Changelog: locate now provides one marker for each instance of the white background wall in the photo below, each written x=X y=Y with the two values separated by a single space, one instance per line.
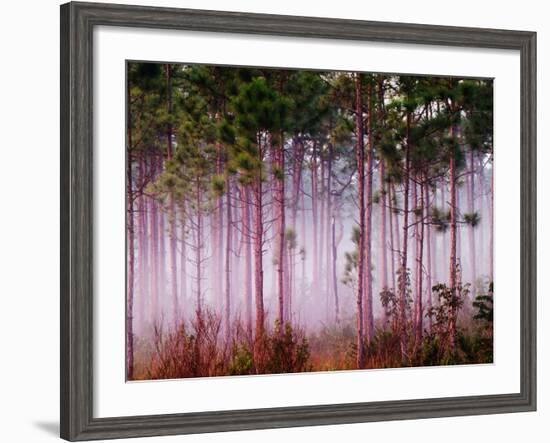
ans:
x=29 y=188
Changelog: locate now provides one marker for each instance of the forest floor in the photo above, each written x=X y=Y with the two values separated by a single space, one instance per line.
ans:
x=202 y=350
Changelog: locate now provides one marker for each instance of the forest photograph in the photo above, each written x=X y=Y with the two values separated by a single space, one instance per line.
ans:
x=285 y=221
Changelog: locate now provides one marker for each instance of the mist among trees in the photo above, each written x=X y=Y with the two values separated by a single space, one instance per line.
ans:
x=292 y=221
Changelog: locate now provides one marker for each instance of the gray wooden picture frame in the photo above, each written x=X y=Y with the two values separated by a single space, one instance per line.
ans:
x=77 y=23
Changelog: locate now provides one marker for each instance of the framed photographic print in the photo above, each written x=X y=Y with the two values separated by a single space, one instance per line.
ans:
x=273 y=221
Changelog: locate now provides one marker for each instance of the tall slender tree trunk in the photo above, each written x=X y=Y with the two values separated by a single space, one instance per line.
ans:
x=183 y=257
x=321 y=260
x=218 y=237
x=228 y=244
x=213 y=264
x=397 y=230
x=453 y=238
x=303 y=234
x=294 y=287
x=258 y=263
x=236 y=260
x=247 y=232
x=404 y=256
x=297 y=196
x=333 y=268
x=384 y=199
x=330 y=245
x=131 y=259
x=419 y=265
x=392 y=245
x=162 y=245
x=219 y=254
x=198 y=251
x=471 y=231
x=360 y=158
x=143 y=249
x=298 y=146
x=314 y=220
x=417 y=270
x=460 y=269
x=444 y=206
x=153 y=238
x=428 y=250
x=435 y=249
x=281 y=232
x=368 y=308
x=288 y=257
x=383 y=233
x=492 y=227
x=171 y=203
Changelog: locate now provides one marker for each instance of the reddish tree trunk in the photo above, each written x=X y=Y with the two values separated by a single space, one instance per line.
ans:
x=419 y=265
x=214 y=263
x=289 y=276
x=404 y=255
x=162 y=244
x=299 y=152
x=183 y=258
x=227 y=312
x=198 y=251
x=153 y=239
x=258 y=261
x=322 y=225
x=397 y=230
x=392 y=245
x=491 y=233
x=368 y=308
x=471 y=232
x=131 y=258
x=297 y=194
x=459 y=270
x=416 y=205
x=453 y=238
x=330 y=245
x=428 y=252
x=218 y=235
x=236 y=271
x=334 y=276
x=383 y=234
x=384 y=199
x=444 y=206
x=314 y=197
x=303 y=234
x=248 y=260
x=281 y=232
x=434 y=249
x=143 y=248
x=360 y=159
x=171 y=203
